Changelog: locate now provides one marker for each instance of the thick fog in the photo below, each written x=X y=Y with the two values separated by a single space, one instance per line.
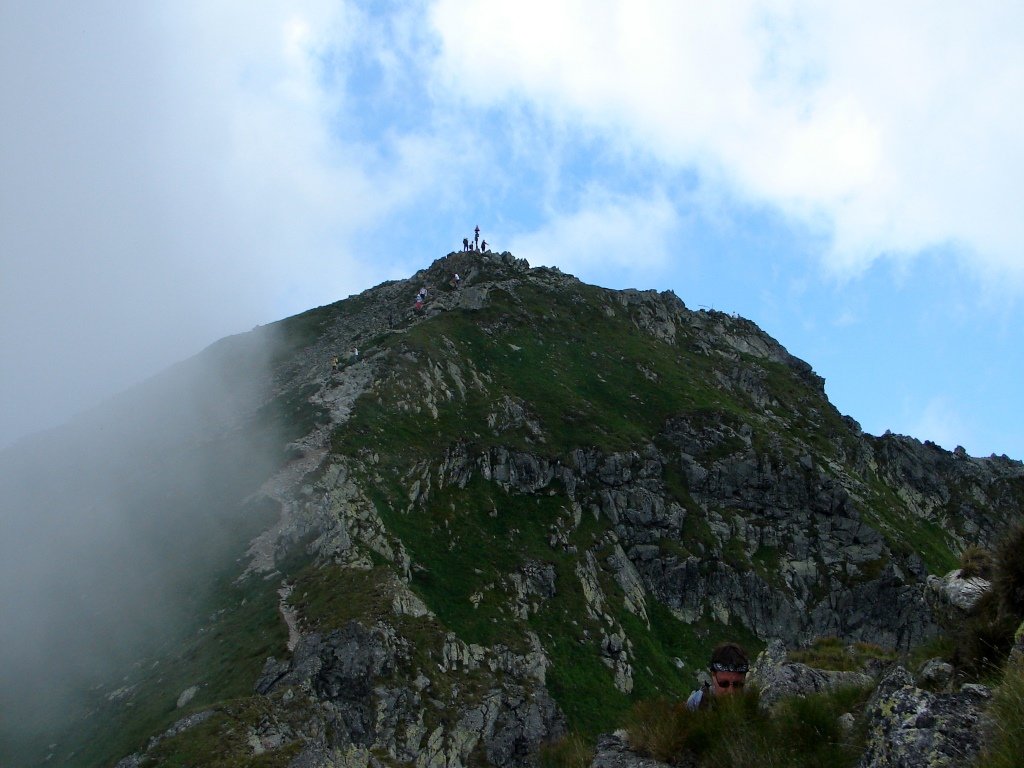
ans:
x=160 y=188
x=109 y=523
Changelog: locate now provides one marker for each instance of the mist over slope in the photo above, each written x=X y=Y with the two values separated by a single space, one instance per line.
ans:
x=110 y=522
x=509 y=515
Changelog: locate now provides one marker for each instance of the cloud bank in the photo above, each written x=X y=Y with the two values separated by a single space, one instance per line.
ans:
x=888 y=128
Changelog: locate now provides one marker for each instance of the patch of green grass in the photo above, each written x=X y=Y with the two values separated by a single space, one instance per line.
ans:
x=587 y=385
x=906 y=533
x=1006 y=745
x=328 y=596
x=571 y=751
x=836 y=654
x=222 y=741
x=766 y=561
x=448 y=539
x=583 y=686
x=976 y=561
x=654 y=670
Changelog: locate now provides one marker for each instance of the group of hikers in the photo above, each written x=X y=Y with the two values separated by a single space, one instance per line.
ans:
x=476 y=245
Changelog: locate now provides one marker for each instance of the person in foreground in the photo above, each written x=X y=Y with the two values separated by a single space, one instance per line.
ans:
x=728 y=670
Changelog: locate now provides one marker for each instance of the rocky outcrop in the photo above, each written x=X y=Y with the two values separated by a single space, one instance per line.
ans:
x=363 y=705
x=912 y=728
x=968 y=497
x=778 y=678
x=613 y=751
x=952 y=597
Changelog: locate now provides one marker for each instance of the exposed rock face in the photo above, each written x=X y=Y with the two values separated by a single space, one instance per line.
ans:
x=362 y=705
x=912 y=728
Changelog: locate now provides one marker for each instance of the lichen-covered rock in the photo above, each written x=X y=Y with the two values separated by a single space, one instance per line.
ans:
x=613 y=751
x=935 y=674
x=912 y=728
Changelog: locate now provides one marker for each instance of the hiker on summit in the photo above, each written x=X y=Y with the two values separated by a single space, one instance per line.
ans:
x=483 y=246
x=465 y=244
x=728 y=670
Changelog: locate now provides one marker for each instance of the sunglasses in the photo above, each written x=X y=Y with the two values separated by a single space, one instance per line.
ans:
x=726 y=684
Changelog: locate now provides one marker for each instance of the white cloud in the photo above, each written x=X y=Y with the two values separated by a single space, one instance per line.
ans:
x=169 y=176
x=940 y=421
x=629 y=234
x=895 y=127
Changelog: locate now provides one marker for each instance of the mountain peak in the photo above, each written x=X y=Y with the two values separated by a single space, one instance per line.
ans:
x=474 y=521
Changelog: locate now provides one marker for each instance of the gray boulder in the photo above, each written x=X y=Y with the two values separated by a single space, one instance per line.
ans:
x=614 y=751
x=912 y=728
x=953 y=597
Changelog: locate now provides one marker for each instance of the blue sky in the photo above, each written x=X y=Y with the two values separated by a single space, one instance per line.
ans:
x=847 y=175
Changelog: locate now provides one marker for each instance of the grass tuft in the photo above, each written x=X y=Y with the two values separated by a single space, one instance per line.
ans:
x=1006 y=744
x=976 y=561
x=572 y=751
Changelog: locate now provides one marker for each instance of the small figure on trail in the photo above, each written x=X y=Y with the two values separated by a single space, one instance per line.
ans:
x=456 y=281
x=476 y=239
x=465 y=244
x=728 y=670
x=334 y=363
x=354 y=357
x=483 y=246
x=421 y=297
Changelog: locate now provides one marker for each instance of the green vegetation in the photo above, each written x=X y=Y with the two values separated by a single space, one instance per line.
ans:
x=834 y=653
x=798 y=733
x=976 y=561
x=578 y=395
x=985 y=638
x=572 y=751
x=908 y=534
x=223 y=741
x=1007 y=712
x=1008 y=574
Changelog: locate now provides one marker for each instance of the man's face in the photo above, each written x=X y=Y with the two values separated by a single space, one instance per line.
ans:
x=727 y=683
